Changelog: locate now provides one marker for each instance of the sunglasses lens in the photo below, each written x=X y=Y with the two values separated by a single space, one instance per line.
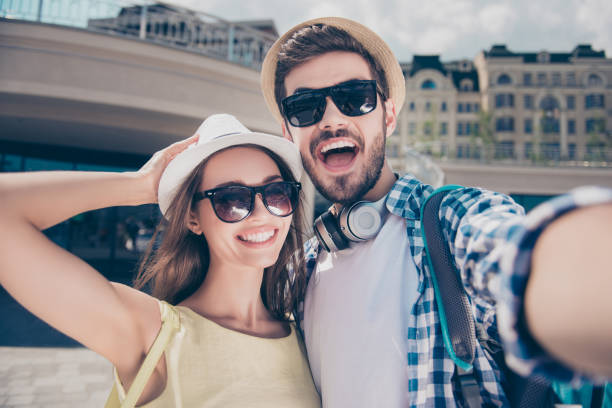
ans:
x=355 y=98
x=280 y=198
x=232 y=204
x=304 y=109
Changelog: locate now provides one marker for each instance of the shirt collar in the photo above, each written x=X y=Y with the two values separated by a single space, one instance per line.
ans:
x=406 y=197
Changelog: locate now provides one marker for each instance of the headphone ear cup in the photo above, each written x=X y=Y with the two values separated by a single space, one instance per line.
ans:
x=328 y=232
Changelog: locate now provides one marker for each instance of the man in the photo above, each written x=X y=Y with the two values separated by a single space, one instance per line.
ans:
x=370 y=321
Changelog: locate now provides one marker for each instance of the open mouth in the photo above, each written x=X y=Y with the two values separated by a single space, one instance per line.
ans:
x=338 y=154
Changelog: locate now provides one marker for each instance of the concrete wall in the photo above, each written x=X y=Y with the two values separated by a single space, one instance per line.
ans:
x=61 y=85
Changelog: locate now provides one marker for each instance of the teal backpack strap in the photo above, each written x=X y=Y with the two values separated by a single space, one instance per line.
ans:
x=454 y=310
x=451 y=299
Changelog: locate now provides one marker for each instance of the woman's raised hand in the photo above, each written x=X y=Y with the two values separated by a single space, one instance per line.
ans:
x=153 y=169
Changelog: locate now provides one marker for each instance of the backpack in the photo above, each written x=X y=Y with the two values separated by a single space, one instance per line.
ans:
x=459 y=330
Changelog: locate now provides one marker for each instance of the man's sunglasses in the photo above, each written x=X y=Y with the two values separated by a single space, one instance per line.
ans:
x=353 y=98
x=235 y=203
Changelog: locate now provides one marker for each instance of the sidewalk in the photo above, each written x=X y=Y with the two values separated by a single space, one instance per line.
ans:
x=53 y=377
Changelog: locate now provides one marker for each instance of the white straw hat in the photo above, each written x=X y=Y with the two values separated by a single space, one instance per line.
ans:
x=217 y=133
x=375 y=45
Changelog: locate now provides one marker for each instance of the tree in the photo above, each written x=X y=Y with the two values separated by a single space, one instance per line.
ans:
x=484 y=136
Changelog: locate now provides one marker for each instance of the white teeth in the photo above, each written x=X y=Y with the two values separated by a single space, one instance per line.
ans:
x=259 y=237
x=337 y=145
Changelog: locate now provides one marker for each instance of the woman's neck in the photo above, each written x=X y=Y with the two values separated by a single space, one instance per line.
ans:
x=230 y=295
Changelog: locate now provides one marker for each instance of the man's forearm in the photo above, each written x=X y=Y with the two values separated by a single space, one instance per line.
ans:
x=568 y=301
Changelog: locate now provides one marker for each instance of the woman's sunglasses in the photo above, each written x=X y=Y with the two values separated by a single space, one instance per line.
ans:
x=353 y=98
x=235 y=203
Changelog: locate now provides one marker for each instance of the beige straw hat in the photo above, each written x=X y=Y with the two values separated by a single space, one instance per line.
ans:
x=368 y=38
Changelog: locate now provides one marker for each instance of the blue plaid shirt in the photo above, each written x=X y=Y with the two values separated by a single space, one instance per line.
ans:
x=491 y=239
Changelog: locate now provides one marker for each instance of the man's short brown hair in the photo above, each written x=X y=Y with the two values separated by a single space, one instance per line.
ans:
x=315 y=40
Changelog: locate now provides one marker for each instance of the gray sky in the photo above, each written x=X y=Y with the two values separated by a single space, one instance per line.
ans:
x=453 y=28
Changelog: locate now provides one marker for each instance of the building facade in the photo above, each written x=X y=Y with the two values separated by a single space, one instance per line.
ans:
x=509 y=106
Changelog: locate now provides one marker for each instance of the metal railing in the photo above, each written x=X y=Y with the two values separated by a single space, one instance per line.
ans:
x=157 y=22
x=543 y=155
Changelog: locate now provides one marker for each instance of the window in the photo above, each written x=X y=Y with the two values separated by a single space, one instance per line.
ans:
x=541 y=78
x=550 y=151
x=528 y=149
x=543 y=57
x=427 y=128
x=443 y=128
x=595 y=125
x=594 y=80
x=504 y=149
x=466 y=85
x=528 y=126
x=504 y=100
x=428 y=84
x=570 y=79
x=427 y=106
x=459 y=128
x=412 y=128
x=468 y=128
x=443 y=107
x=468 y=107
x=527 y=79
x=476 y=107
x=459 y=107
x=556 y=78
x=571 y=127
x=392 y=150
x=476 y=128
x=593 y=101
x=549 y=104
x=504 y=124
x=528 y=101
x=504 y=79
x=411 y=106
x=571 y=102
x=549 y=125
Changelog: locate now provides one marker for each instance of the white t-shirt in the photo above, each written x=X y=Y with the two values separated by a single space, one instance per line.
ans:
x=356 y=320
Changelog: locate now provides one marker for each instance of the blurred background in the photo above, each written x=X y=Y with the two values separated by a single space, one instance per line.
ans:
x=514 y=96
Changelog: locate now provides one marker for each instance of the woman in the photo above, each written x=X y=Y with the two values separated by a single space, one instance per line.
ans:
x=230 y=197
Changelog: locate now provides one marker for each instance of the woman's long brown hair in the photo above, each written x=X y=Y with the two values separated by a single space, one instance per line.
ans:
x=177 y=268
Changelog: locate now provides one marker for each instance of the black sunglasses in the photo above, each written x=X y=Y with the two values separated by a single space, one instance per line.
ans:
x=235 y=203
x=353 y=98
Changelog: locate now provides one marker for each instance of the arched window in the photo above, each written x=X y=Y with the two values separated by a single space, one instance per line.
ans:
x=428 y=84
x=594 y=80
x=504 y=79
x=549 y=103
x=466 y=85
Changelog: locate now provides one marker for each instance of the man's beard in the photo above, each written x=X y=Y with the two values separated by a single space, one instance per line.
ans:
x=341 y=189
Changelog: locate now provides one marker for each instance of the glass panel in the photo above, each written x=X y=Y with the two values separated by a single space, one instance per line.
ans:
x=100 y=167
x=11 y=162
x=33 y=164
x=91 y=234
x=135 y=228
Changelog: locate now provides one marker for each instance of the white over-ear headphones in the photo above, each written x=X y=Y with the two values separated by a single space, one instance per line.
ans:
x=357 y=222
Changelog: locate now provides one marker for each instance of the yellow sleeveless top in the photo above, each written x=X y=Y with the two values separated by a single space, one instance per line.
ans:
x=209 y=365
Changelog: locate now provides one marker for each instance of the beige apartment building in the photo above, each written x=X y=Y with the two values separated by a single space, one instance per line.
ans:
x=518 y=106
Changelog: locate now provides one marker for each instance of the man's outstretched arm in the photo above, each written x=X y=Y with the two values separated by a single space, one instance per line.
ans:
x=568 y=299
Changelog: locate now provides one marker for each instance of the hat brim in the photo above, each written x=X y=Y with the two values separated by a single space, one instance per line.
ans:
x=375 y=45
x=185 y=162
